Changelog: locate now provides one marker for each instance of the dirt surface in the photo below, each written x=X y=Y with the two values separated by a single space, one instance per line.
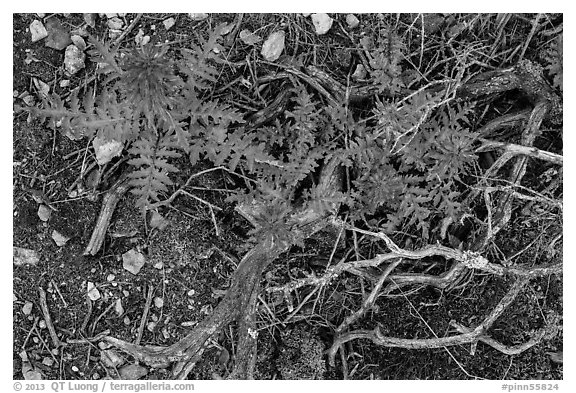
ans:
x=188 y=267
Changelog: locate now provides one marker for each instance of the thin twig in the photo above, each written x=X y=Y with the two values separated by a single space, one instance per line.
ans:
x=144 y=315
x=44 y=306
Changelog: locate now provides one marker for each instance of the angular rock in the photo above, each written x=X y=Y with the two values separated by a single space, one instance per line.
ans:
x=352 y=21
x=133 y=261
x=25 y=256
x=106 y=150
x=169 y=23
x=59 y=238
x=38 y=31
x=93 y=292
x=74 y=59
x=322 y=23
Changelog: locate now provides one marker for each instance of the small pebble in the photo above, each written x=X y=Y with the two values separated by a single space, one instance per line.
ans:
x=38 y=31
x=169 y=23
x=48 y=361
x=35 y=339
x=158 y=302
x=75 y=369
x=55 y=352
x=191 y=292
x=27 y=308
x=110 y=277
x=42 y=324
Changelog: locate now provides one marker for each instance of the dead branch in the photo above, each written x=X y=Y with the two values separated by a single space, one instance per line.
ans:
x=109 y=203
x=239 y=303
x=515 y=150
x=468 y=336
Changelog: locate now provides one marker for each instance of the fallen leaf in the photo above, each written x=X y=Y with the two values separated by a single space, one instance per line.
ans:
x=93 y=292
x=169 y=23
x=322 y=23
x=38 y=31
x=25 y=256
x=556 y=357
x=157 y=221
x=28 y=371
x=79 y=42
x=58 y=36
x=133 y=261
x=44 y=212
x=59 y=238
x=74 y=59
x=273 y=46
x=106 y=150
x=42 y=87
x=224 y=356
x=352 y=21
x=249 y=38
x=132 y=372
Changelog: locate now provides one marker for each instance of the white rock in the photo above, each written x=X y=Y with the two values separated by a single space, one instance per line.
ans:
x=27 y=308
x=25 y=256
x=322 y=23
x=118 y=308
x=74 y=59
x=44 y=212
x=352 y=21
x=48 y=361
x=59 y=238
x=93 y=292
x=140 y=38
x=198 y=16
x=115 y=23
x=273 y=46
x=359 y=73
x=169 y=23
x=133 y=261
x=38 y=31
x=106 y=150
x=111 y=358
